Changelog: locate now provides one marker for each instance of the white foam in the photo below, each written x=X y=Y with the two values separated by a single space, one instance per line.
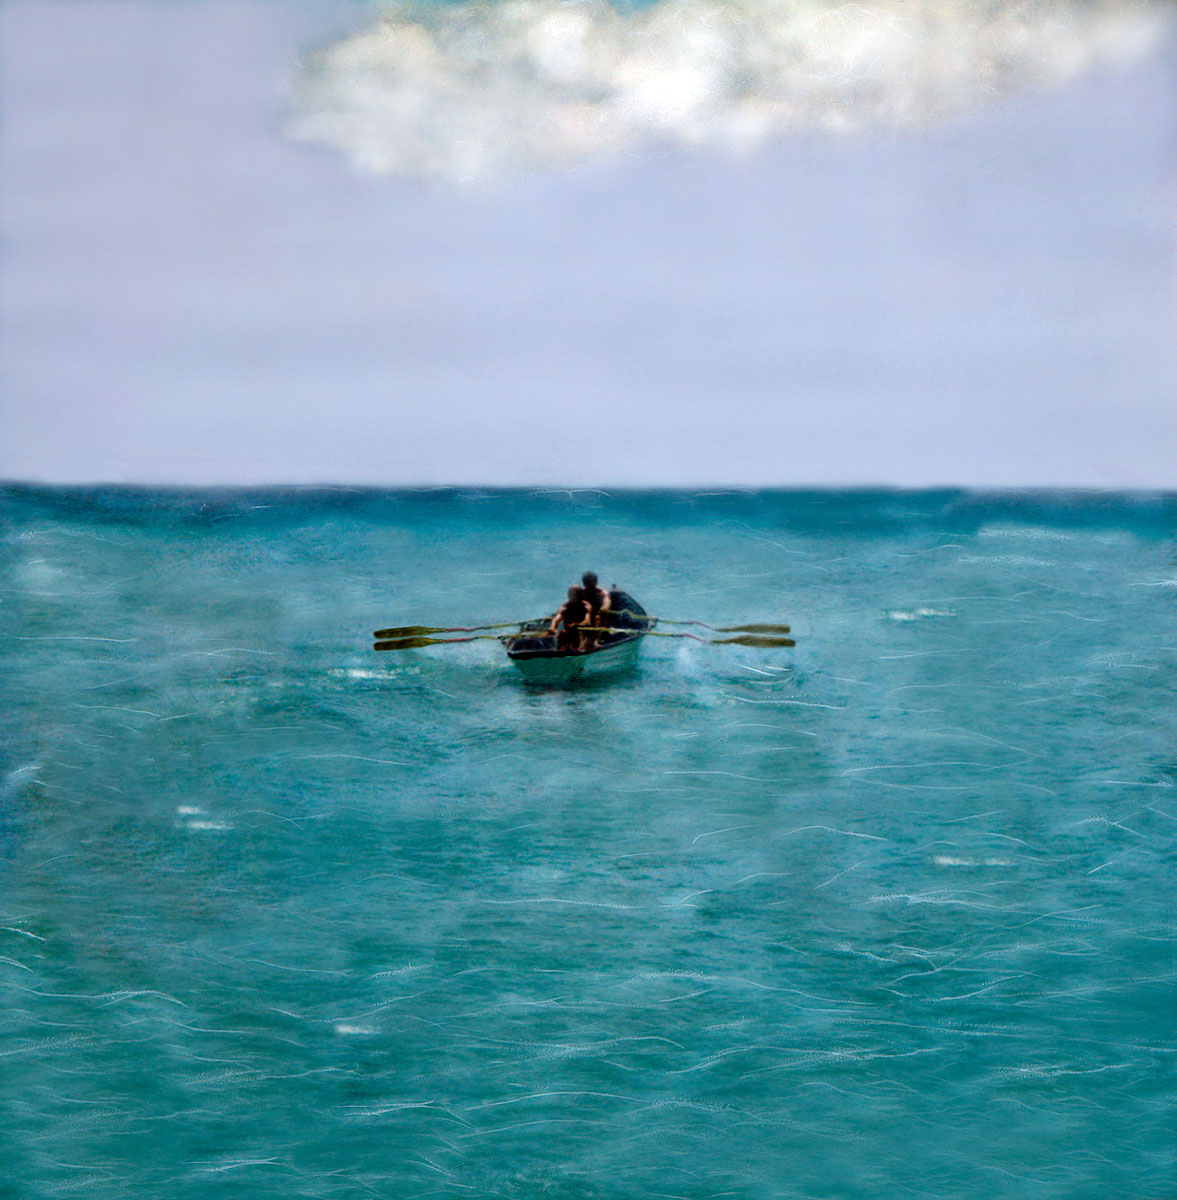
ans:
x=947 y=860
x=1033 y=533
x=1009 y=560
x=478 y=91
x=917 y=614
x=40 y=577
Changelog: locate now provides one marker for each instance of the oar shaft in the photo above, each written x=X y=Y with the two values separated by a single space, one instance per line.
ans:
x=416 y=643
x=755 y=628
x=399 y=631
x=414 y=637
x=759 y=640
x=396 y=632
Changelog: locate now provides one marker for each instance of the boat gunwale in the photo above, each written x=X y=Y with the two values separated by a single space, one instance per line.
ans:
x=628 y=636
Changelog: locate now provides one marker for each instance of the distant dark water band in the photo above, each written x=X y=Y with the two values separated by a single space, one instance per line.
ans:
x=865 y=511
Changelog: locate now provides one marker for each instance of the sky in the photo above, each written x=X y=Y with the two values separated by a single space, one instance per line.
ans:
x=190 y=294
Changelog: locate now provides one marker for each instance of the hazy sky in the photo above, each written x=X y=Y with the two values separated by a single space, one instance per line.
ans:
x=190 y=296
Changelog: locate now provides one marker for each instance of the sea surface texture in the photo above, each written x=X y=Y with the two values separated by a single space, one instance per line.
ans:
x=890 y=914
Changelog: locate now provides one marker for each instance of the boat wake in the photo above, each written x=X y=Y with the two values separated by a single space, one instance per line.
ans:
x=472 y=92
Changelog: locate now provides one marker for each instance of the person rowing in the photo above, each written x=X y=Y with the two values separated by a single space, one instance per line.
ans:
x=598 y=600
x=570 y=619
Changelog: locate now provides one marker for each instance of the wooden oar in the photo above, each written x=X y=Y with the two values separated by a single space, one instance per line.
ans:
x=758 y=628
x=417 y=643
x=403 y=631
x=748 y=640
x=736 y=641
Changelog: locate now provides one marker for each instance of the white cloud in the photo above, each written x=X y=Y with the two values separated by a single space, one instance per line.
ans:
x=471 y=92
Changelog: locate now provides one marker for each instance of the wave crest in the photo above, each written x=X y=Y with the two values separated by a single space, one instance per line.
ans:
x=477 y=91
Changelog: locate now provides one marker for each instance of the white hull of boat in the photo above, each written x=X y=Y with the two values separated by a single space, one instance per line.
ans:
x=565 y=668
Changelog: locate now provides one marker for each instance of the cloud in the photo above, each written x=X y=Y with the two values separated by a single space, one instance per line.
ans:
x=471 y=92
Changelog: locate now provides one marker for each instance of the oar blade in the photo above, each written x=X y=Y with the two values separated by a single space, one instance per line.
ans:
x=754 y=628
x=408 y=631
x=757 y=640
x=406 y=643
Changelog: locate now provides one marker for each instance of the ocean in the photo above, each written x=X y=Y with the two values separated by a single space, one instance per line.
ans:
x=888 y=914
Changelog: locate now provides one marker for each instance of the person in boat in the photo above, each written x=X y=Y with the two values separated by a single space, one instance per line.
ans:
x=598 y=602
x=570 y=619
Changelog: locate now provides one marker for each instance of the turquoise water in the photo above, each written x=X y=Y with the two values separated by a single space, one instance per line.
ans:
x=889 y=914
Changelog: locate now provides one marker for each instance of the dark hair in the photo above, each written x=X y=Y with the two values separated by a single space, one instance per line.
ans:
x=574 y=592
x=589 y=579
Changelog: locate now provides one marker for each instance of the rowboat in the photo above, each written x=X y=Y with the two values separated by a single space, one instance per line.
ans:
x=533 y=650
